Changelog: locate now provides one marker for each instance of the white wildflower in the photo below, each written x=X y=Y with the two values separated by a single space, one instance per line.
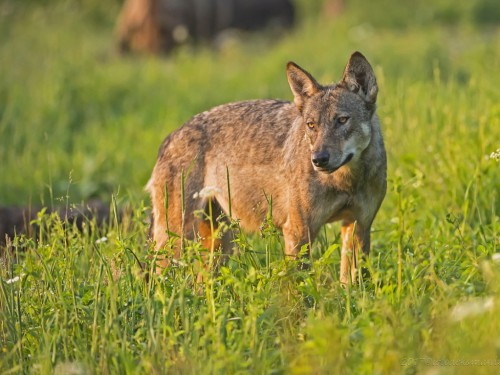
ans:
x=472 y=308
x=496 y=257
x=207 y=192
x=101 y=240
x=495 y=155
x=13 y=280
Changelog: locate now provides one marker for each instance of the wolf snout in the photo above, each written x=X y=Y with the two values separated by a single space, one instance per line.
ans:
x=320 y=159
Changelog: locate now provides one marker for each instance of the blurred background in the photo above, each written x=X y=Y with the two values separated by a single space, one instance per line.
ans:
x=89 y=89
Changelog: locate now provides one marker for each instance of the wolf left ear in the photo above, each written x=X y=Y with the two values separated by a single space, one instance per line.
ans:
x=303 y=84
x=359 y=75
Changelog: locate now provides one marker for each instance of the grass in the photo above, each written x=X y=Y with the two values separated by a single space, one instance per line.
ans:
x=77 y=122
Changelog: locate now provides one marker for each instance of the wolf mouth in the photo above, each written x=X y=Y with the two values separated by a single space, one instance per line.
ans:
x=331 y=170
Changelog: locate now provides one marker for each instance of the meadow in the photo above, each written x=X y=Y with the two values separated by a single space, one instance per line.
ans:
x=78 y=122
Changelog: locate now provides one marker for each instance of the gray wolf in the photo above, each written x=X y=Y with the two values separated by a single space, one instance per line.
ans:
x=318 y=159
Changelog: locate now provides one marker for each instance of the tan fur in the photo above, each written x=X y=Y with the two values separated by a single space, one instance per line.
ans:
x=139 y=26
x=319 y=159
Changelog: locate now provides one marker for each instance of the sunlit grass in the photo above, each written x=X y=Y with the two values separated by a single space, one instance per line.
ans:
x=76 y=121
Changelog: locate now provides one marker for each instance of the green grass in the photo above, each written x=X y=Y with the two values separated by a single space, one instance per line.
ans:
x=77 y=122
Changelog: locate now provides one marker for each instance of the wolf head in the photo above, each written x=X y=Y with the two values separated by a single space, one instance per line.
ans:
x=337 y=118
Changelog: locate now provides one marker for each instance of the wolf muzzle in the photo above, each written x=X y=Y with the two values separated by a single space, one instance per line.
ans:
x=321 y=161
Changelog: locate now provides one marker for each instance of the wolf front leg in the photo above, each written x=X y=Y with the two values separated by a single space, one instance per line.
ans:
x=296 y=234
x=355 y=236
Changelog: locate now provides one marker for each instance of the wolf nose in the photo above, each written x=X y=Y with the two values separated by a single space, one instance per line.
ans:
x=320 y=159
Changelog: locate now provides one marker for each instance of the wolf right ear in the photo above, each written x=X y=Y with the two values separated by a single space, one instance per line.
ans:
x=358 y=74
x=303 y=84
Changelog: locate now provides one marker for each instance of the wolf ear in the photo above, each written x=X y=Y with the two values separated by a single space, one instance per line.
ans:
x=358 y=74
x=303 y=84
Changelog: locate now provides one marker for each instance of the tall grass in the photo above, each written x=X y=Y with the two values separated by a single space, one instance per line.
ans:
x=76 y=121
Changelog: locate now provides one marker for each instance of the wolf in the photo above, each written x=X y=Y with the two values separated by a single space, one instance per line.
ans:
x=316 y=160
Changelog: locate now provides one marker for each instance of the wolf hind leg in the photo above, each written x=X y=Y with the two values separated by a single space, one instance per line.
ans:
x=214 y=234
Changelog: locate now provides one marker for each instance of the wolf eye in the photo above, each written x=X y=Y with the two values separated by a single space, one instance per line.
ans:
x=311 y=124
x=342 y=120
